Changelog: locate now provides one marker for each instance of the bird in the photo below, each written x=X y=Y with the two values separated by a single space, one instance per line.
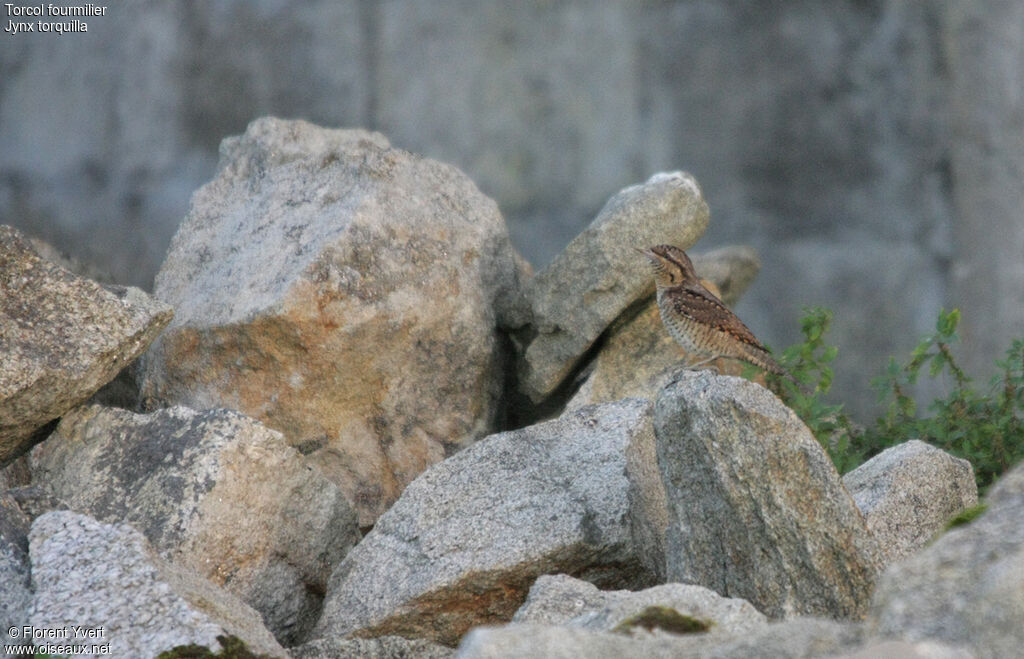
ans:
x=697 y=319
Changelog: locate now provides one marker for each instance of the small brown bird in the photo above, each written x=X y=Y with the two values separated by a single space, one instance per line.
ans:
x=697 y=319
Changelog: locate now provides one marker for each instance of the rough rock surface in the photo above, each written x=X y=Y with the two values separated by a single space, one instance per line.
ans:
x=756 y=508
x=598 y=275
x=213 y=491
x=468 y=537
x=908 y=492
x=106 y=576
x=638 y=354
x=385 y=647
x=563 y=600
x=800 y=638
x=967 y=587
x=15 y=581
x=344 y=293
x=62 y=338
x=907 y=650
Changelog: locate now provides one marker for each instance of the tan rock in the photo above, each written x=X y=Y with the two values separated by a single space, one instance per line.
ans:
x=62 y=337
x=343 y=292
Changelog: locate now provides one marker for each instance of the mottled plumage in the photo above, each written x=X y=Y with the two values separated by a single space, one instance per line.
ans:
x=696 y=318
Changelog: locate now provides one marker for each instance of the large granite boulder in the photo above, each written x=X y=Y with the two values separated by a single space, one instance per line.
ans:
x=467 y=538
x=967 y=587
x=105 y=580
x=213 y=491
x=343 y=292
x=756 y=508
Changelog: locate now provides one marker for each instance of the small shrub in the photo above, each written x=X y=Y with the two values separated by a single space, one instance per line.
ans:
x=983 y=426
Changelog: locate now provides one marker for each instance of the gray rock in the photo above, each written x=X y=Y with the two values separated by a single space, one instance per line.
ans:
x=106 y=577
x=638 y=354
x=62 y=337
x=215 y=492
x=385 y=647
x=467 y=538
x=16 y=473
x=906 y=650
x=34 y=500
x=756 y=508
x=967 y=587
x=15 y=578
x=343 y=292
x=800 y=638
x=598 y=275
x=563 y=600
x=908 y=492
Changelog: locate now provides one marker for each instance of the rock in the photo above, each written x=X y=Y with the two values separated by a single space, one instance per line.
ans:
x=467 y=538
x=800 y=638
x=343 y=292
x=756 y=508
x=637 y=357
x=34 y=501
x=106 y=578
x=215 y=492
x=385 y=647
x=62 y=337
x=908 y=492
x=15 y=578
x=598 y=275
x=15 y=474
x=563 y=600
x=905 y=650
x=965 y=588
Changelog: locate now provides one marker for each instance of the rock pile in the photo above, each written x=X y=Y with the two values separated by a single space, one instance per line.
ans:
x=342 y=449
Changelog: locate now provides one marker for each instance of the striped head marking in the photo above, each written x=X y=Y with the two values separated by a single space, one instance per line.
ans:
x=672 y=267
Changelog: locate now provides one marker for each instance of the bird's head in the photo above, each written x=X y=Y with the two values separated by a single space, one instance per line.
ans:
x=672 y=266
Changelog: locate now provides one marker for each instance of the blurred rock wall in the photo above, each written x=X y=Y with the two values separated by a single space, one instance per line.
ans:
x=872 y=151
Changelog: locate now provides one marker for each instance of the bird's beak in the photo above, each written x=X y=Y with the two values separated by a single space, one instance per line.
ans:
x=648 y=253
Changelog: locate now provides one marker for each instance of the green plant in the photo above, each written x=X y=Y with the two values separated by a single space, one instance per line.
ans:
x=809 y=364
x=984 y=427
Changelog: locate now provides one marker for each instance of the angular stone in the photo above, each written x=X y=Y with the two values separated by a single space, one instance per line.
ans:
x=62 y=338
x=96 y=575
x=638 y=354
x=343 y=292
x=385 y=647
x=215 y=492
x=563 y=600
x=15 y=578
x=756 y=508
x=467 y=538
x=800 y=638
x=908 y=492
x=965 y=588
x=598 y=275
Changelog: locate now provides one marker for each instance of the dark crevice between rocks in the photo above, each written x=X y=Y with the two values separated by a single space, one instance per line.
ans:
x=518 y=411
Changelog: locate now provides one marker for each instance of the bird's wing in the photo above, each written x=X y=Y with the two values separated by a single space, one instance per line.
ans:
x=701 y=305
